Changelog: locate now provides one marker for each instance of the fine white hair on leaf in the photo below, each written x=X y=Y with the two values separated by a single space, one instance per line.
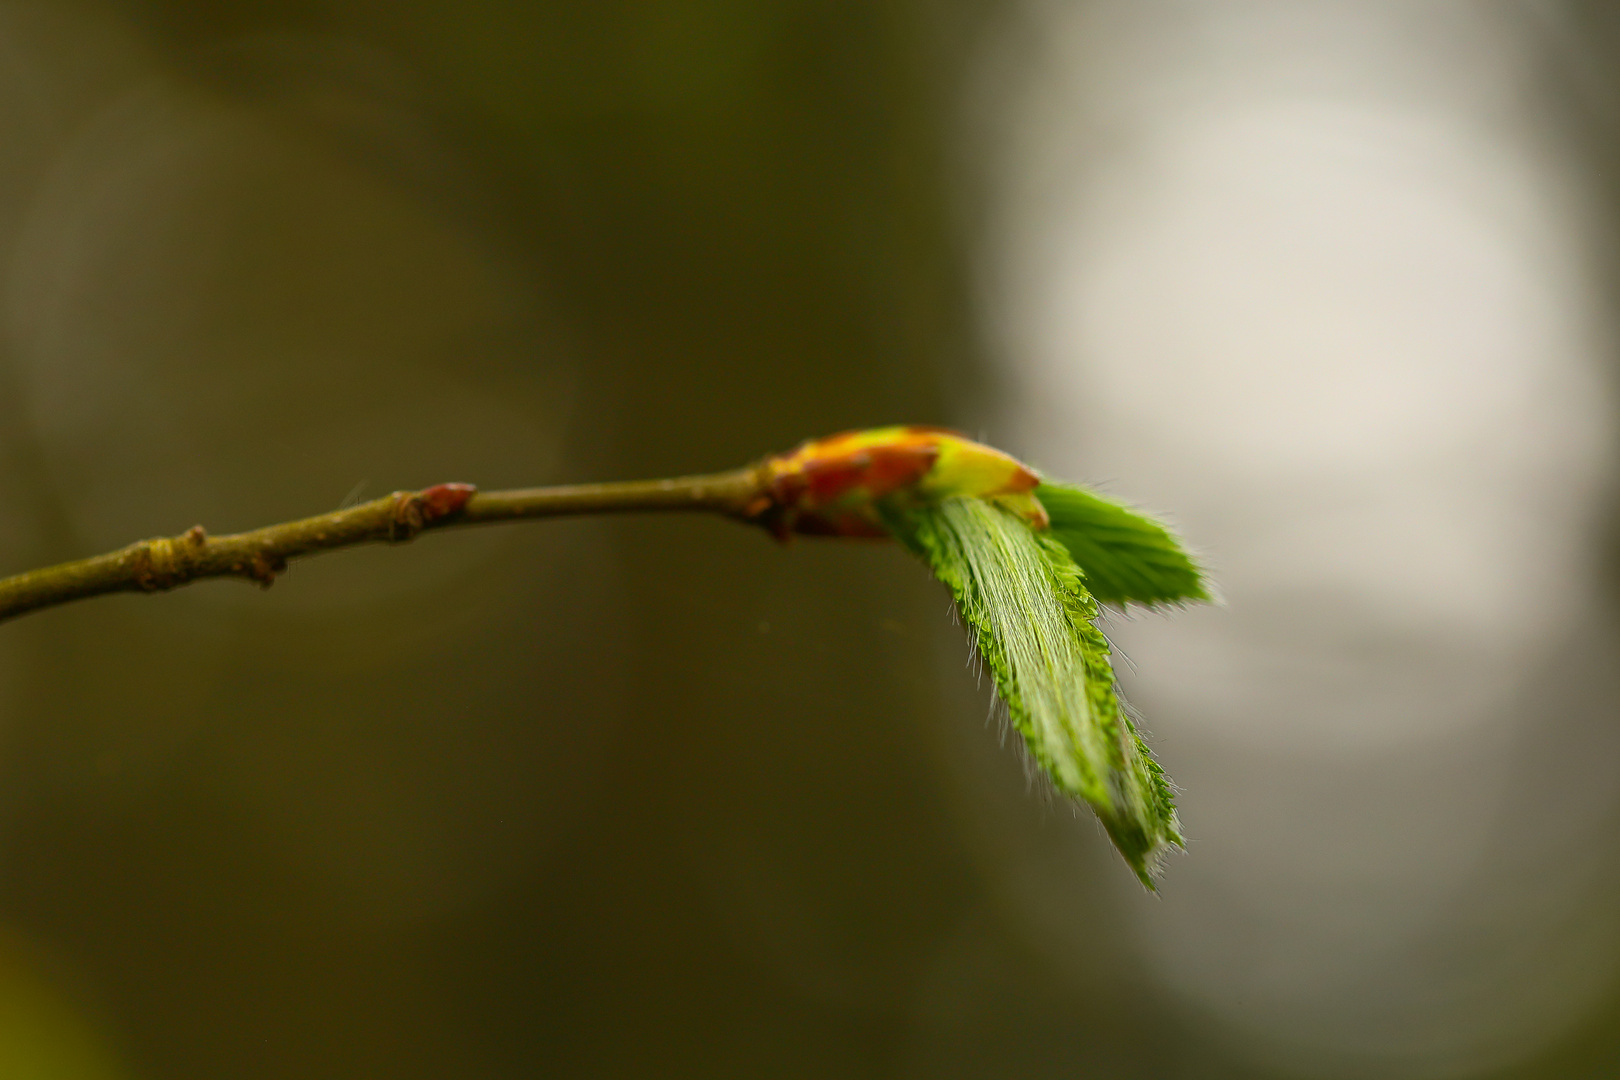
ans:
x=1022 y=597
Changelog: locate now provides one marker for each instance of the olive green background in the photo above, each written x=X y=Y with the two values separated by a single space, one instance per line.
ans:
x=638 y=797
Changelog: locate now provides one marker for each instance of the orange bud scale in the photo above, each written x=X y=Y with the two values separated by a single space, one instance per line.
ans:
x=833 y=486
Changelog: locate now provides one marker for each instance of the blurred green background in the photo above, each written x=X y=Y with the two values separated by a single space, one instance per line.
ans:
x=591 y=798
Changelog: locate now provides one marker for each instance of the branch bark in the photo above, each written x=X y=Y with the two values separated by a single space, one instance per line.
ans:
x=169 y=562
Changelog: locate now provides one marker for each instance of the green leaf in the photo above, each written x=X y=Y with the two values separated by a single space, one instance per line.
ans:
x=1126 y=557
x=1023 y=598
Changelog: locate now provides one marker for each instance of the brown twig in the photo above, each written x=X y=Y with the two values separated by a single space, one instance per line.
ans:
x=168 y=562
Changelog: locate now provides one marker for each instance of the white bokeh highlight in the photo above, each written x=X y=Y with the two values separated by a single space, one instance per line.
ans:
x=1316 y=276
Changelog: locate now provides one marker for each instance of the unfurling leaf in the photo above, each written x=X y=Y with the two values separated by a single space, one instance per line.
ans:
x=1126 y=557
x=1027 y=561
x=1022 y=595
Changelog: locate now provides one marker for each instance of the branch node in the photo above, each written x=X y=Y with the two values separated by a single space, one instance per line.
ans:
x=167 y=561
x=406 y=518
x=264 y=567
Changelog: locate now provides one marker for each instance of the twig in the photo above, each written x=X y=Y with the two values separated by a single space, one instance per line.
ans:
x=168 y=562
